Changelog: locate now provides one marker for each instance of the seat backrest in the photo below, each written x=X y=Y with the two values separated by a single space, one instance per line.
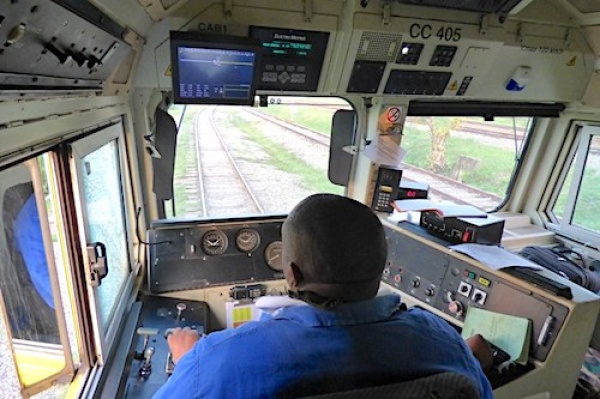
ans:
x=438 y=386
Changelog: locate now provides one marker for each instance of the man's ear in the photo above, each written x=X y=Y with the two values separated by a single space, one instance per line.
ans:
x=293 y=275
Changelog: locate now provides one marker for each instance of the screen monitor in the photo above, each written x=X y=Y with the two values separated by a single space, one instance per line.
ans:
x=211 y=69
x=291 y=60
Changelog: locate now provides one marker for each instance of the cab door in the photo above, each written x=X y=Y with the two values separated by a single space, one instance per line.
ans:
x=103 y=199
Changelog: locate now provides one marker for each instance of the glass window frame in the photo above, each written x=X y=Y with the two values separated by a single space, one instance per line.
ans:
x=563 y=226
x=69 y=370
x=105 y=336
x=272 y=100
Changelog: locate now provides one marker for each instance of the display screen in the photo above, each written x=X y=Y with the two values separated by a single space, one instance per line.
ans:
x=291 y=60
x=212 y=69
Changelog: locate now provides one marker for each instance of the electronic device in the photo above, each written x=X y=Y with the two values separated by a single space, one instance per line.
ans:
x=212 y=69
x=386 y=188
x=292 y=59
x=412 y=190
x=486 y=230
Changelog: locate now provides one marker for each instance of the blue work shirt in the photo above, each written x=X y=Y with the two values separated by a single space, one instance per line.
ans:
x=370 y=338
x=28 y=234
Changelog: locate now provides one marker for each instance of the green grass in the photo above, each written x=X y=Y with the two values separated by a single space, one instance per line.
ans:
x=312 y=179
x=186 y=156
x=313 y=118
x=492 y=174
x=588 y=200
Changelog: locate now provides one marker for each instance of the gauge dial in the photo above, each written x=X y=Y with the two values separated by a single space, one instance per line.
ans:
x=273 y=256
x=214 y=242
x=247 y=240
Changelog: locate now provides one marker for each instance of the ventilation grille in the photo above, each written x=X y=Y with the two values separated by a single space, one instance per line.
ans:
x=376 y=46
x=485 y=6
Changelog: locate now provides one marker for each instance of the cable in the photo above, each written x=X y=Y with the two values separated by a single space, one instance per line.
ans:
x=137 y=230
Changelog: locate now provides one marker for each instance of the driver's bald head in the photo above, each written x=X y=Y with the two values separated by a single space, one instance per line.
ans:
x=337 y=244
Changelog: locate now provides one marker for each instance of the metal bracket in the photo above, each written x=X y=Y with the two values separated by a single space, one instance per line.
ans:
x=97 y=261
x=308 y=10
x=568 y=37
x=519 y=33
x=228 y=8
x=484 y=24
x=387 y=14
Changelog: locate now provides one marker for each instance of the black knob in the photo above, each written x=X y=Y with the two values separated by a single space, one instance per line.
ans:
x=416 y=283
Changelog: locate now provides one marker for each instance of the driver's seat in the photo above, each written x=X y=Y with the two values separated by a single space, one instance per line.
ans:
x=438 y=386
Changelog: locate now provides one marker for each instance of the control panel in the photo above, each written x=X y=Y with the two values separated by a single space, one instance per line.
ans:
x=214 y=252
x=452 y=286
x=150 y=362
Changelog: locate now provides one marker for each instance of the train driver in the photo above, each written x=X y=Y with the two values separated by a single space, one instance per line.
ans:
x=334 y=333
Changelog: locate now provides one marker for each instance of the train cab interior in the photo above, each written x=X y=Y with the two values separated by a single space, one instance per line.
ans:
x=150 y=151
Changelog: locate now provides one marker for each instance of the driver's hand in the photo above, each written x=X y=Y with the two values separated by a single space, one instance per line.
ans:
x=181 y=341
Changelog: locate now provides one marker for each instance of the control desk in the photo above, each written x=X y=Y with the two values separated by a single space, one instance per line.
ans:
x=429 y=274
x=194 y=265
x=192 y=268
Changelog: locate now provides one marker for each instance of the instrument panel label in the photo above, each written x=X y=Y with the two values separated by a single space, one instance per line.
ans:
x=443 y=33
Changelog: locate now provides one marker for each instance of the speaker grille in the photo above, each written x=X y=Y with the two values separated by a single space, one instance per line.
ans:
x=377 y=46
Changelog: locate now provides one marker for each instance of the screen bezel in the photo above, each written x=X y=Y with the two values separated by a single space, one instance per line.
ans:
x=220 y=42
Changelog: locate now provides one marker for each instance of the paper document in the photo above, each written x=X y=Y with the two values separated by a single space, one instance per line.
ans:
x=383 y=150
x=512 y=334
x=494 y=257
x=444 y=209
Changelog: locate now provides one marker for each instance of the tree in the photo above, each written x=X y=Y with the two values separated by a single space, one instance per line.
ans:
x=440 y=129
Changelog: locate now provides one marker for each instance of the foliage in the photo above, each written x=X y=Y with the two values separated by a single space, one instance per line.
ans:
x=492 y=175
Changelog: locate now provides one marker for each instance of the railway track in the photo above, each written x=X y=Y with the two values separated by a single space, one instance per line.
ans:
x=441 y=187
x=224 y=190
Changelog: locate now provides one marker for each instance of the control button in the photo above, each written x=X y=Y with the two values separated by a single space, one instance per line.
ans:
x=455 y=271
x=465 y=289
x=386 y=271
x=449 y=296
x=484 y=281
x=398 y=278
x=456 y=307
x=430 y=291
x=416 y=283
x=472 y=275
x=479 y=296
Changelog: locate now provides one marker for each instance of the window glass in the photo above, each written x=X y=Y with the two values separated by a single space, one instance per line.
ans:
x=560 y=207
x=587 y=206
x=464 y=160
x=233 y=160
x=106 y=221
x=30 y=252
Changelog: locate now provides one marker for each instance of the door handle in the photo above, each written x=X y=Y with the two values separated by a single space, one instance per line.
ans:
x=98 y=263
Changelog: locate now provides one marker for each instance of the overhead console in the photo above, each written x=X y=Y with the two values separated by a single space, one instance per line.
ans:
x=291 y=59
x=64 y=45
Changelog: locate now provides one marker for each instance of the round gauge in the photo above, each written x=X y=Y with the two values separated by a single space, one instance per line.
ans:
x=214 y=242
x=247 y=240
x=273 y=256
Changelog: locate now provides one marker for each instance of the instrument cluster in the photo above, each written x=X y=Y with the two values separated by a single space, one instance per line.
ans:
x=188 y=255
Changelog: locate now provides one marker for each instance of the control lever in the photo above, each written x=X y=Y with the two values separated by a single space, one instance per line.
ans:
x=169 y=365
x=146 y=332
x=146 y=367
x=180 y=308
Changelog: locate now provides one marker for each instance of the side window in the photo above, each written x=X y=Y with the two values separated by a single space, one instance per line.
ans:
x=464 y=160
x=574 y=212
x=34 y=283
x=233 y=160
